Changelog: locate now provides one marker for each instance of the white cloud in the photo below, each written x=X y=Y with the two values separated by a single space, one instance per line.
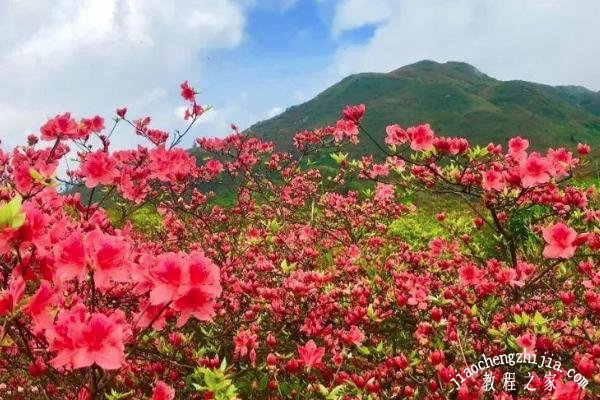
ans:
x=356 y=13
x=274 y=111
x=92 y=56
x=217 y=121
x=281 y=5
x=549 y=41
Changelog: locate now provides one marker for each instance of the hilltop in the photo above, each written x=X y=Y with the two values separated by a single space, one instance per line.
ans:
x=457 y=100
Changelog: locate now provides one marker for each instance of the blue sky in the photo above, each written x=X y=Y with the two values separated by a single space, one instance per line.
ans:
x=284 y=58
x=253 y=58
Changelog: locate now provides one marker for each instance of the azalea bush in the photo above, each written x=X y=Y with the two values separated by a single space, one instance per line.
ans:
x=130 y=279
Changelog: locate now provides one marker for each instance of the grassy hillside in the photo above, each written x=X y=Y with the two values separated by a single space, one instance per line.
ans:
x=456 y=99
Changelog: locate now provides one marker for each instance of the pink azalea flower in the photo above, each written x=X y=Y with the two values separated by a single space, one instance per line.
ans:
x=162 y=391
x=11 y=297
x=384 y=192
x=534 y=170
x=583 y=149
x=493 y=180
x=355 y=336
x=103 y=254
x=121 y=112
x=81 y=339
x=150 y=314
x=190 y=282
x=71 y=259
x=171 y=165
x=421 y=137
x=94 y=124
x=245 y=345
x=107 y=256
x=311 y=355
x=345 y=128
x=559 y=241
x=187 y=92
x=562 y=160
x=167 y=276
x=527 y=342
x=197 y=296
x=395 y=135
x=38 y=305
x=98 y=169
x=569 y=390
x=517 y=147
x=40 y=299
x=61 y=126
x=354 y=113
x=469 y=274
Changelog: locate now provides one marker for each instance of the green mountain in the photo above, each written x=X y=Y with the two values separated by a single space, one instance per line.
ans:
x=457 y=100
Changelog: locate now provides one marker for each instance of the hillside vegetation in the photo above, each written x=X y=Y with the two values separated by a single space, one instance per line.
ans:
x=457 y=100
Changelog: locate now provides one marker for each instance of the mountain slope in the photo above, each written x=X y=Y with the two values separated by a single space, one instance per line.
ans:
x=457 y=100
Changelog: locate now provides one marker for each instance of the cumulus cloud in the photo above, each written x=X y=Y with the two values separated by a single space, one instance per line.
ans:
x=356 y=13
x=91 y=56
x=548 y=41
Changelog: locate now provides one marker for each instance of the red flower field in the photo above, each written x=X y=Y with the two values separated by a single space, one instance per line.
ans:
x=234 y=270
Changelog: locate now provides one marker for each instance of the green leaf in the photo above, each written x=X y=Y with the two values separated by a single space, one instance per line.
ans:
x=336 y=393
x=36 y=176
x=214 y=380
x=211 y=380
x=512 y=342
x=494 y=332
x=323 y=390
x=339 y=157
x=371 y=312
x=287 y=268
x=538 y=319
x=11 y=215
x=114 y=395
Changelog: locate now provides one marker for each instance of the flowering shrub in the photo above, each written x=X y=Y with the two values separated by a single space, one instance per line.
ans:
x=148 y=286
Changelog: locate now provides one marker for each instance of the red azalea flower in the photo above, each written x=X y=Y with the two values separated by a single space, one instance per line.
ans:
x=99 y=169
x=583 y=149
x=354 y=113
x=162 y=391
x=187 y=92
x=527 y=342
x=421 y=137
x=493 y=180
x=517 y=147
x=61 y=126
x=81 y=339
x=559 y=241
x=310 y=355
x=568 y=391
x=534 y=170
x=395 y=135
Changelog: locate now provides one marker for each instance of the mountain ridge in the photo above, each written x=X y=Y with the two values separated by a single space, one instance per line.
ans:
x=457 y=99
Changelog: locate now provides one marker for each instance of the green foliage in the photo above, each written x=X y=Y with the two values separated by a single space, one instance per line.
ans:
x=11 y=215
x=114 y=395
x=215 y=380
x=405 y=228
x=145 y=219
x=456 y=99
x=336 y=393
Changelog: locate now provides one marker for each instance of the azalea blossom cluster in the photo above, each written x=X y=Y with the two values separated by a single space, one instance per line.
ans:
x=78 y=293
x=236 y=270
